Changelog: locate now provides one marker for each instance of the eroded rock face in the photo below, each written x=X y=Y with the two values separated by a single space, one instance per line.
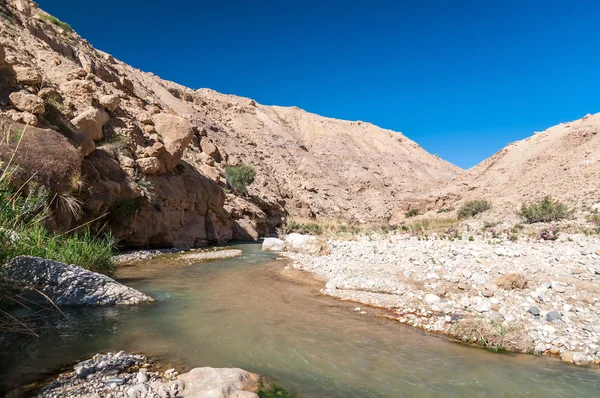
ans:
x=176 y=134
x=70 y=285
x=27 y=76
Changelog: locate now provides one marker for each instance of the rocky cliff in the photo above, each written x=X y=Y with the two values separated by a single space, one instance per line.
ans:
x=146 y=157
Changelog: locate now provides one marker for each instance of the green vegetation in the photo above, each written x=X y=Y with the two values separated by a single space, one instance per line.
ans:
x=22 y=232
x=545 y=210
x=412 y=213
x=473 y=207
x=268 y=389
x=23 y=227
x=445 y=210
x=239 y=177
x=55 y=21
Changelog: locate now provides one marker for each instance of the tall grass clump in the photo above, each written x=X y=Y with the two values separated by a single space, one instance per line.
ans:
x=239 y=177
x=23 y=230
x=545 y=210
x=473 y=207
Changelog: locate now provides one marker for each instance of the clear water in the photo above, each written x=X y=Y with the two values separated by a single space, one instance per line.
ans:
x=246 y=313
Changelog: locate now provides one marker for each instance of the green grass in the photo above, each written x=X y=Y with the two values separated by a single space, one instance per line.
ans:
x=23 y=233
x=545 y=210
x=239 y=177
x=55 y=21
x=473 y=207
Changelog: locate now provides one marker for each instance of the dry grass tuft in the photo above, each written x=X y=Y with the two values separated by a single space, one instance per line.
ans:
x=493 y=334
x=511 y=281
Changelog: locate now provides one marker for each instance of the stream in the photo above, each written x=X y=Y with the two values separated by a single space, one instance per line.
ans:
x=247 y=313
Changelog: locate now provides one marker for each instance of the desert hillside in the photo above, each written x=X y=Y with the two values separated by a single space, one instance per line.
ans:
x=147 y=157
x=562 y=161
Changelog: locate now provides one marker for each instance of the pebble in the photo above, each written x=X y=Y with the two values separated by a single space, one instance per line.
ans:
x=369 y=268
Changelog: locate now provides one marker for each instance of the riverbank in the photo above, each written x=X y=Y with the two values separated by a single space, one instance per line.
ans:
x=529 y=296
x=127 y=375
x=186 y=254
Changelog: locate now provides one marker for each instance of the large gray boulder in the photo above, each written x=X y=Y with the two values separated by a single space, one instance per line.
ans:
x=70 y=285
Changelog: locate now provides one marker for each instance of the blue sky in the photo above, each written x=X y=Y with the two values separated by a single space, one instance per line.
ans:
x=462 y=78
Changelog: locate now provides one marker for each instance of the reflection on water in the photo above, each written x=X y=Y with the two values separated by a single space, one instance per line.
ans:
x=244 y=313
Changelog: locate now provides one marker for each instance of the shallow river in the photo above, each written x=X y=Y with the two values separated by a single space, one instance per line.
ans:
x=246 y=313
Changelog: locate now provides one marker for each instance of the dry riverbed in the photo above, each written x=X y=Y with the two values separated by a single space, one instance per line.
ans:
x=533 y=296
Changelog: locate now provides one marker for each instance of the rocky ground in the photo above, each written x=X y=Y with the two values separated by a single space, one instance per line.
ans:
x=214 y=253
x=125 y=375
x=527 y=296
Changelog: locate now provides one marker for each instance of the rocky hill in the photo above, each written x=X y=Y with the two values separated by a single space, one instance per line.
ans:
x=146 y=157
x=562 y=161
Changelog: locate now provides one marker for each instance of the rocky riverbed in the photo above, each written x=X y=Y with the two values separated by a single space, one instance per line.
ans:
x=126 y=375
x=530 y=295
x=183 y=254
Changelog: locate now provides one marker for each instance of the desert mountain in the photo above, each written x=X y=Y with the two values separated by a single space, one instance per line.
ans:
x=562 y=161
x=152 y=154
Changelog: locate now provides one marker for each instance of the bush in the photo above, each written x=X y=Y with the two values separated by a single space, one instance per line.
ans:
x=412 y=213
x=545 y=210
x=55 y=21
x=239 y=177
x=473 y=207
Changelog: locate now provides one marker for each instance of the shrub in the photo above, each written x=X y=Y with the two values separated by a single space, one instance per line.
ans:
x=445 y=210
x=55 y=21
x=545 y=210
x=492 y=334
x=473 y=207
x=412 y=213
x=239 y=177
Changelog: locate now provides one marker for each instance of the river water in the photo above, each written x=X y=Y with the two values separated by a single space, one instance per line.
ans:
x=247 y=313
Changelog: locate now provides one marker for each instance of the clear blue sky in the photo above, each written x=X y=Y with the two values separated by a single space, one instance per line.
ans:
x=462 y=78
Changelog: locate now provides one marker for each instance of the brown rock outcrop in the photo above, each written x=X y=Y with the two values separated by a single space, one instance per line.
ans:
x=176 y=134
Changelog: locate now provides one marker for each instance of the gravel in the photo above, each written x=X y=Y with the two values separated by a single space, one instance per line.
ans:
x=434 y=283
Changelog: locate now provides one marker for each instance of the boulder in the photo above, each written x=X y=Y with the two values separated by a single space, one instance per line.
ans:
x=176 y=133
x=211 y=150
x=220 y=383
x=27 y=76
x=79 y=92
x=26 y=102
x=148 y=166
x=70 y=285
x=49 y=93
x=110 y=102
x=273 y=245
x=301 y=243
x=24 y=117
x=91 y=122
